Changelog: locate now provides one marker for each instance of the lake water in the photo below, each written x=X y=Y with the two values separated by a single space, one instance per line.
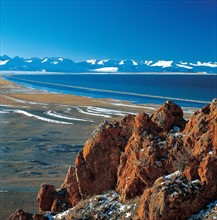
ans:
x=185 y=90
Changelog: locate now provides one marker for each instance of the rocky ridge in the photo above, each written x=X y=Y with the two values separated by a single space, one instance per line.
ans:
x=160 y=166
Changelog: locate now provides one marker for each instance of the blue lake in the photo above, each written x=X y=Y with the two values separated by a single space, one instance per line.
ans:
x=185 y=90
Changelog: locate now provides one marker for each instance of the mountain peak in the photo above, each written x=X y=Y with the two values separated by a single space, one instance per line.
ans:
x=59 y=64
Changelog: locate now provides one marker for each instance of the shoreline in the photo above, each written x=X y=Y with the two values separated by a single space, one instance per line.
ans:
x=36 y=151
x=99 y=73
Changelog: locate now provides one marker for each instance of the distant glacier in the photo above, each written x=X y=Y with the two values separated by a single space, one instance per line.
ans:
x=59 y=64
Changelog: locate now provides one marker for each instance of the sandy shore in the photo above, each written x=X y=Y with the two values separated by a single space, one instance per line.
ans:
x=41 y=134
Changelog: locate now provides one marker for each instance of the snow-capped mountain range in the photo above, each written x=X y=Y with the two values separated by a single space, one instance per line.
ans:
x=58 y=64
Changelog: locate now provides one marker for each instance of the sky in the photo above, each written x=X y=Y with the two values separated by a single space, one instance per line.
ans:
x=182 y=30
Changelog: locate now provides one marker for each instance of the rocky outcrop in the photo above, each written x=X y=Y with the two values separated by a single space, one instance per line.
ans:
x=167 y=163
x=95 y=168
x=196 y=156
x=21 y=215
x=145 y=156
x=54 y=200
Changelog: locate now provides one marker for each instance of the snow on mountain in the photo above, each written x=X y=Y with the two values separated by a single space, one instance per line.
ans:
x=3 y=62
x=122 y=62
x=44 y=60
x=28 y=61
x=92 y=62
x=163 y=63
x=148 y=63
x=55 y=62
x=59 y=64
x=106 y=70
x=184 y=66
x=102 y=62
x=204 y=64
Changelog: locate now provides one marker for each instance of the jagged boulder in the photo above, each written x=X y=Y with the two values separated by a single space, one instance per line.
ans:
x=170 y=197
x=145 y=155
x=97 y=164
x=51 y=199
x=168 y=115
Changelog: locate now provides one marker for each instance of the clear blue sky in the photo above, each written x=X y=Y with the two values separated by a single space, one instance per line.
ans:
x=173 y=29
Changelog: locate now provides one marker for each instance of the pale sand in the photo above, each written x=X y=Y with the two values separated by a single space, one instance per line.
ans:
x=19 y=168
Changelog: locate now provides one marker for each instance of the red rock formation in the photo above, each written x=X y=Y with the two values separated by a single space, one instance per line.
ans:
x=168 y=115
x=97 y=164
x=170 y=197
x=71 y=185
x=50 y=199
x=144 y=158
x=199 y=148
x=136 y=155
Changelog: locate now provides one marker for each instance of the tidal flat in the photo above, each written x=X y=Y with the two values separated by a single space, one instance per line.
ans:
x=41 y=134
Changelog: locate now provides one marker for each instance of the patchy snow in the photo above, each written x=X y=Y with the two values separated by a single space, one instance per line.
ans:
x=107 y=111
x=104 y=206
x=121 y=62
x=92 y=61
x=3 y=62
x=163 y=63
x=55 y=62
x=28 y=61
x=57 y=115
x=101 y=62
x=172 y=176
x=107 y=69
x=94 y=114
x=134 y=63
x=103 y=112
x=209 y=64
x=35 y=116
x=148 y=62
x=184 y=66
x=128 y=214
x=133 y=106
x=44 y=60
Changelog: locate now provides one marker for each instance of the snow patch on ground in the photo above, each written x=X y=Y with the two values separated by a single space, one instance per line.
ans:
x=57 y=115
x=103 y=112
x=34 y=116
x=104 y=206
